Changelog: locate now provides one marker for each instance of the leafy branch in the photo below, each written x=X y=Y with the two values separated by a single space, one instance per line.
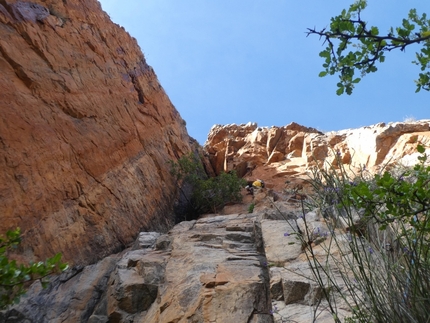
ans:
x=349 y=30
x=15 y=277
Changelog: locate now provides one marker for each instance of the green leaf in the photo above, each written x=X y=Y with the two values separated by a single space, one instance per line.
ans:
x=374 y=31
x=55 y=259
x=348 y=90
x=325 y=53
x=421 y=149
x=340 y=90
x=322 y=74
x=63 y=267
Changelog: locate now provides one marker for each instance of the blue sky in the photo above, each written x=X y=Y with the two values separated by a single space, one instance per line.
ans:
x=235 y=61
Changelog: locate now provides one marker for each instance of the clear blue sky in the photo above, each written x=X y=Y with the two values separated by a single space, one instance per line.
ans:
x=235 y=61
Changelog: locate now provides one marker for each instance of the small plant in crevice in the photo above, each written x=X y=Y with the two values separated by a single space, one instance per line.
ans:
x=377 y=243
x=204 y=194
x=251 y=208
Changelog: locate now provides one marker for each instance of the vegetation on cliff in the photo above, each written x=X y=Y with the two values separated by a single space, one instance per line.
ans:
x=14 y=277
x=203 y=193
x=385 y=252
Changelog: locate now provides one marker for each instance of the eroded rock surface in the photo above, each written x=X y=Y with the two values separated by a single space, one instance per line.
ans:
x=241 y=267
x=86 y=132
x=215 y=273
x=282 y=156
x=209 y=270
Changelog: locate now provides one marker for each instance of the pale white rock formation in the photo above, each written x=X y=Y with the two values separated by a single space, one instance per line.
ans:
x=280 y=241
x=281 y=154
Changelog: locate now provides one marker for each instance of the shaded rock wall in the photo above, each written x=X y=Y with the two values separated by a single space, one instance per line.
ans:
x=86 y=131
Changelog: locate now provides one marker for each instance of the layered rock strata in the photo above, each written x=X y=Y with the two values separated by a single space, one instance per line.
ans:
x=86 y=132
x=283 y=155
x=209 y=270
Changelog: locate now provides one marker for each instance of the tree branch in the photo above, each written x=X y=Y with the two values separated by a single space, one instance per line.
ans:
x=403 y=42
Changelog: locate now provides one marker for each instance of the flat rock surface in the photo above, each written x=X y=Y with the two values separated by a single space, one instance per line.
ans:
x=281 y=243
x=215 y=274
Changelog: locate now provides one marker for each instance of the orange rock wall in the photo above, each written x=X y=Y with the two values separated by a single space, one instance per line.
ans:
x=86 y=131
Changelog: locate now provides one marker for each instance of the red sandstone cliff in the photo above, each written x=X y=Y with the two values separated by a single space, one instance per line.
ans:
x=86 y=131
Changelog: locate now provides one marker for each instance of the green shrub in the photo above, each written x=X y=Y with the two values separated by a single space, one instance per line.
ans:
x=14 y=278
x=385 y=268
x=208 y=194
x=251 y=208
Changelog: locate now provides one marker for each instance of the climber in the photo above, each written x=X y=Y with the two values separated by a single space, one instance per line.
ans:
x=259 y=183
x=252 y=185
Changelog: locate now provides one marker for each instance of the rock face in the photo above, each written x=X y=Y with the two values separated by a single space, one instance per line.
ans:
x=240 y=267
x=86 y=132
x=209 y=270
x=230 y=267
x=283 y=155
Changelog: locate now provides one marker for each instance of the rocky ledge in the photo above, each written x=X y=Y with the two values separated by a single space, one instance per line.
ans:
x=239 y=267
x=210 y=270
x=283 y=155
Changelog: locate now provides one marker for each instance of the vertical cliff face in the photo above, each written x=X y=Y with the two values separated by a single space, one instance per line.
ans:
x=86 y=131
